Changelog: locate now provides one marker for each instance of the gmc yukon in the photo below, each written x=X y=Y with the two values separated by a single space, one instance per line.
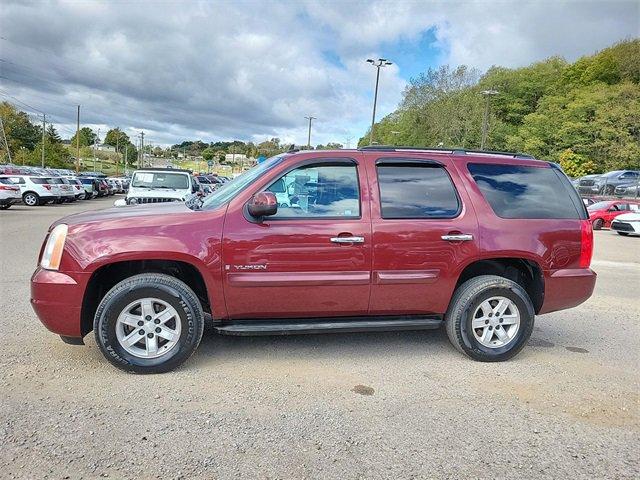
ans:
x=376 y=239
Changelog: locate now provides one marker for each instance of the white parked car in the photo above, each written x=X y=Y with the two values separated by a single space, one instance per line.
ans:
x=34 y=190
x=65 y=189
x=9 y=193
x=160 y=185
x=627 y=224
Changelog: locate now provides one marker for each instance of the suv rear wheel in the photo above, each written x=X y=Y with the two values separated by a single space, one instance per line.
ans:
x=31 y=199
x=490 y=318
x=149 y=323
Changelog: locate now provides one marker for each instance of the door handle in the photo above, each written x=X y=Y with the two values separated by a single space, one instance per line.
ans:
x=347 y=239
x=457 y=237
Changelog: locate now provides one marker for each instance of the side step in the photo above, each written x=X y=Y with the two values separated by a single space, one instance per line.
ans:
x=294 y=326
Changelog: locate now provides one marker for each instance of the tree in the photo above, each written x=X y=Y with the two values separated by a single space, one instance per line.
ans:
x=208 y=154
x=87 y=137
x=19 y=130
x=585 y=115
x=117 y=138
x=52 y=134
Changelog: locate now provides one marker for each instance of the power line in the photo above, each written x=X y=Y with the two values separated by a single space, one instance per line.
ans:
x=23 y=103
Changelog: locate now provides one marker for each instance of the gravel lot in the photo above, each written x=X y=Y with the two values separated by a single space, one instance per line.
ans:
x=379 y=405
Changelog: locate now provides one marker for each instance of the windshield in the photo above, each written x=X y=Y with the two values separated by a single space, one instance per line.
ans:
x=160 y=180
x=598 y=206
x=230 y=189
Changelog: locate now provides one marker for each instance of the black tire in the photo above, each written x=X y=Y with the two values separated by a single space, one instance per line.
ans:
x=87 y=196
x=598 y=223
x=465 y=301
x=5 y=206
x=624 y=234
x=156 y=285
x=31 y=199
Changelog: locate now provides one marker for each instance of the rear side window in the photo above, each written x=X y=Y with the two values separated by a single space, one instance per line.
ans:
x=416 y=191
x=515 y=191
x=40 y=180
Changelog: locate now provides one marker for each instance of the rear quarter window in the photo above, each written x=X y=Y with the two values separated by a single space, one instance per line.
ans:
x=515 y=191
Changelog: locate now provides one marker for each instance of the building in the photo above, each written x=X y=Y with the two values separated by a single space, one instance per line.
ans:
x=106 y=148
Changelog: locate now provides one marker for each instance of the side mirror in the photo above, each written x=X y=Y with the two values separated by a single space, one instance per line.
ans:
x=262 y=204
x=121 y=202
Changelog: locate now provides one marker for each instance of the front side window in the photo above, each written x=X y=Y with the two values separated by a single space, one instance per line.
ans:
x=416 y=191
x=318 y=191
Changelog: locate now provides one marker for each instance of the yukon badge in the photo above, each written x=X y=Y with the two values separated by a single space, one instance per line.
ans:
x=247 y=267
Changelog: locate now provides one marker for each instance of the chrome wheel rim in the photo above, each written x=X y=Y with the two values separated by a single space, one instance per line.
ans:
x=496 y=322
x=148 y=328
x=30 y=200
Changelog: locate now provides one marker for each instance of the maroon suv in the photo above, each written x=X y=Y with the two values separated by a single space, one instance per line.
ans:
x=375 y=239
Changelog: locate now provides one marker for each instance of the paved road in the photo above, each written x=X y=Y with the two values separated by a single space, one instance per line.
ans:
x=285 y=407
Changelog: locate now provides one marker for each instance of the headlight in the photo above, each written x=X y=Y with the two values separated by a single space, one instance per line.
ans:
x=53 y=249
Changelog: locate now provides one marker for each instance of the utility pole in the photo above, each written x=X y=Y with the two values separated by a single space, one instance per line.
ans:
x=381 y=62
x=78 y=141
x=94 y=150
x=117 y=153
x=348 y=142
x=142 y=147
x=310 y=118
x=4 y=139
x=44 y=125
x=485 y=120
x=126 y=157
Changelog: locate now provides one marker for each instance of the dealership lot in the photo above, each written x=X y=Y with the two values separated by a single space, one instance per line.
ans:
x=390 y=405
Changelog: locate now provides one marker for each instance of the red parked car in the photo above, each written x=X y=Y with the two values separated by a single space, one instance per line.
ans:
x=602 y=213
x=326 y=241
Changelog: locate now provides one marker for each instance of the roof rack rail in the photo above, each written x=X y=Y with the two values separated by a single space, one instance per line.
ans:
x=453 y=150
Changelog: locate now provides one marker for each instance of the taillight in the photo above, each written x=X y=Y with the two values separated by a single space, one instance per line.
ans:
x=586 y=243
x=48 y=187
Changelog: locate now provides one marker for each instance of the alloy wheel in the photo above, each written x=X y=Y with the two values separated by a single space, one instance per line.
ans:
x=148 y=328
x=30 y=199
x=496 y=322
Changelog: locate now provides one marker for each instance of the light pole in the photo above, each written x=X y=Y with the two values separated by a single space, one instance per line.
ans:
x=310 y=118
x=485 y=121
x=381 y=62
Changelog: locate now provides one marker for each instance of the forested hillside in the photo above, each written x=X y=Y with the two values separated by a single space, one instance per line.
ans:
x=585 y=115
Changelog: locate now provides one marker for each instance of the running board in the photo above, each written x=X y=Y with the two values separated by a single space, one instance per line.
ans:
x=297 y=326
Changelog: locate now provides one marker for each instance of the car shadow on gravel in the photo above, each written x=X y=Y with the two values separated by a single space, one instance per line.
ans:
x=371 y=345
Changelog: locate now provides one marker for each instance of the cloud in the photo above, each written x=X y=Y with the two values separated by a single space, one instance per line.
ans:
x=253 y=70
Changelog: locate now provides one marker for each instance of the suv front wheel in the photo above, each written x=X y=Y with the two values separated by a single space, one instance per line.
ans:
x=490 y=318
x=149 y=323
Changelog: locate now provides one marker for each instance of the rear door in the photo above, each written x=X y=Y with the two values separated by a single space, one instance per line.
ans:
x=424 y=229
x=313 y=258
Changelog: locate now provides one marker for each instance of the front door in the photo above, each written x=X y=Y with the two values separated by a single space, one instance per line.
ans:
x=311 y=259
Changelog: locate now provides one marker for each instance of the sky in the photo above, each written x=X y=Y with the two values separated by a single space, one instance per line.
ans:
x=252 y=70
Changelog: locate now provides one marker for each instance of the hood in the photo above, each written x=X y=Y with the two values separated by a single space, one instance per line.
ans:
x=148 y=213
x=628 y=217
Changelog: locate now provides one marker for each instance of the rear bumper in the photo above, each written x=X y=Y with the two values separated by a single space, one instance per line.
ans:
x=567 y=288
x=57 y=300
x=10 y=201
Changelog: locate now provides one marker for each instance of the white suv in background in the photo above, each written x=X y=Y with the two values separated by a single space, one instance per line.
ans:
x=9 y=193
x=160 y=185
x=34 y=190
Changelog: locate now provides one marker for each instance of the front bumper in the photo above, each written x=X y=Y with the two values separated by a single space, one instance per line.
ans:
x=567 y=288
x=626 y=227
x=56 y=298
